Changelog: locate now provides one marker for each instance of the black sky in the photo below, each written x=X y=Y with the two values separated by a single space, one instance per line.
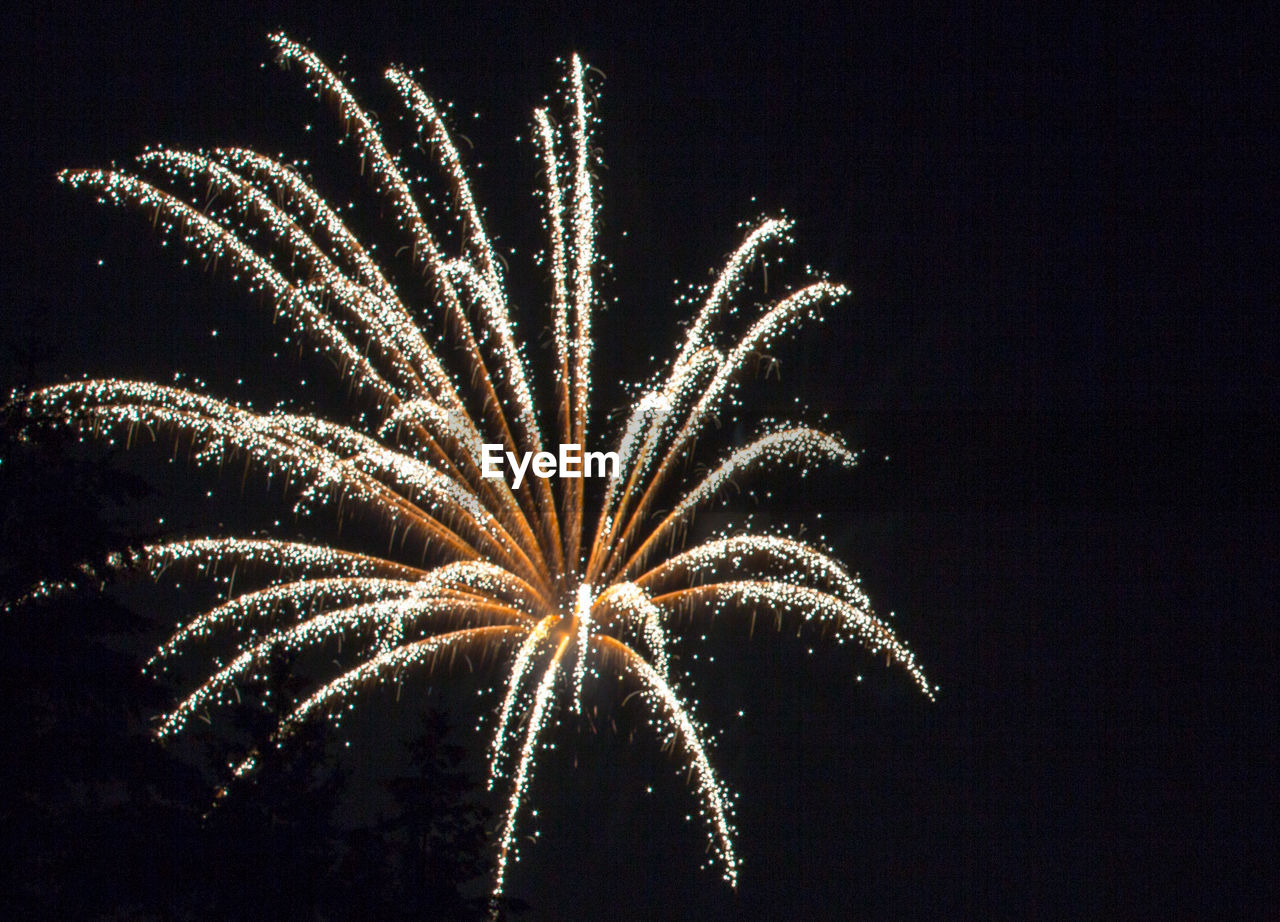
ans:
x=1057 y=228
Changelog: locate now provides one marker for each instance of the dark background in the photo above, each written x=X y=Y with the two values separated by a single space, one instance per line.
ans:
x=1062 y=334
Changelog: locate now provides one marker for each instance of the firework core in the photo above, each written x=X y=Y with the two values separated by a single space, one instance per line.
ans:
x=571 y=462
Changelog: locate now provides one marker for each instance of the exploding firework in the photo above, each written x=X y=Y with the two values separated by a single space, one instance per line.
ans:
x=552 y=580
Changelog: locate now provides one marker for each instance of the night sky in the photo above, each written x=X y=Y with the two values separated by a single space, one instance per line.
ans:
x=1058 y=361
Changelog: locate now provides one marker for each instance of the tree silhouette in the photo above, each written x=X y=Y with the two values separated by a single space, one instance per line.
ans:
x=102 y=822
x=429 y=856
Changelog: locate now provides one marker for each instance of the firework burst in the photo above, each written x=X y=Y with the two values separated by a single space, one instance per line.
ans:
x=553 y=581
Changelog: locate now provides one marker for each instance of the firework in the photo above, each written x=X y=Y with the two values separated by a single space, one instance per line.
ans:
x=554 y=580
